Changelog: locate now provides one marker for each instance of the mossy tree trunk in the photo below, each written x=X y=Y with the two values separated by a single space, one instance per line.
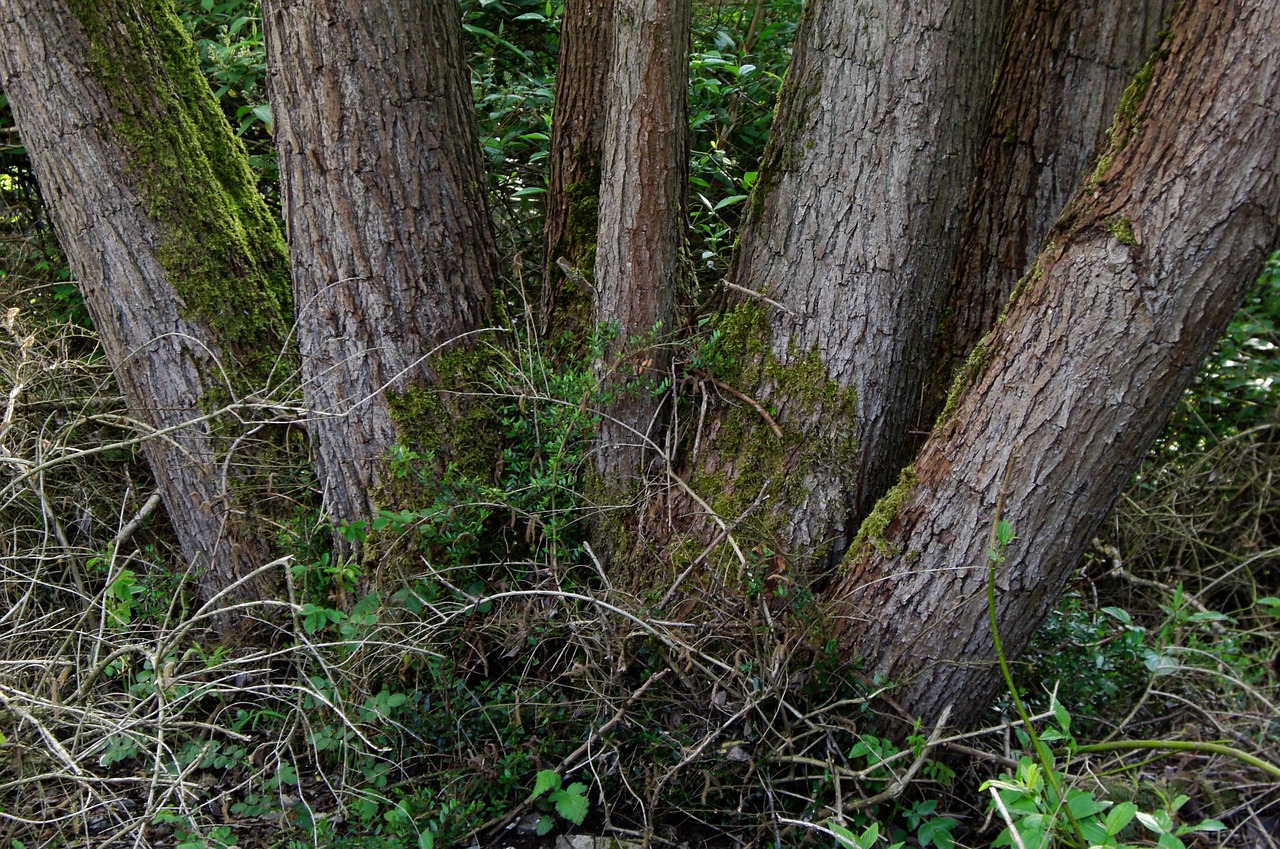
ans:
x=642 y=224
x=1064 y=68
x=181 y=266
x=1141 y=276
x=849 y=239
x=393 y=250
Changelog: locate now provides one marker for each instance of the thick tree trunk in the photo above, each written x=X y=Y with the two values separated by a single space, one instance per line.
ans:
x=849 y=240
x=577 y=138
x=643 y=218
x=181 y=266
x=1064 y=68
x=393 y=250
x=1140 y=277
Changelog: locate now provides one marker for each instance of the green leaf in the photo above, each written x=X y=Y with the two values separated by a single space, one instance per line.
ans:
x=572 y=803
x=729 y=201
x=1270 y=605
x=1120 y=816
x=1208 y=825
x=426 y=840
x=1094 y=832
x=547 y=779
x=844 y=836
x=544 y=826
x=1082 y=804
x=1160 y=663
x=1119 y=614
x=1060 y=714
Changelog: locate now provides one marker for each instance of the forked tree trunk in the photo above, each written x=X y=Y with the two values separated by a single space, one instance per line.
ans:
x=577 y=138
x=393 y=250
x=1141 y=277
x=1064 y=67
x=643 y=218
x=180 y=264
x=849 y=240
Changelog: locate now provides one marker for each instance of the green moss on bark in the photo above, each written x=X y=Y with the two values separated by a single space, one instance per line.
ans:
x=875 y=528
x=583 y=222
x=803 y=400
x=456 y=421
x=968 y=373
x=219 y=245
x=1121 y=229
x=1128 y=120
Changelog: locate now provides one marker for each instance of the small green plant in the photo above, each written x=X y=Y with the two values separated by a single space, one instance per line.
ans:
x=570 y=803
x=121 y=595
x=869 y=838
x=1037 y=815
x=929 y=828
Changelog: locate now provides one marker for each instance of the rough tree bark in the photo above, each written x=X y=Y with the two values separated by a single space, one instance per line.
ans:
x=1140 y=277
x=383 y=189
x=1064 y=68
x=642 y=222
x=181 y=266
x=849 y=239
x=577 y=138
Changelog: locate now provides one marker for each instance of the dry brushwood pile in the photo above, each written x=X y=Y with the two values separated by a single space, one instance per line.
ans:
x=431 y=705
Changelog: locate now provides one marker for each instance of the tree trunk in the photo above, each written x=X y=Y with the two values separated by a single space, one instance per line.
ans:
x=181 y=266
x=1064 y=68
x=392 y=247
x=577 y=138
x=643 y=218
x=849 y=239
x=1140 y=277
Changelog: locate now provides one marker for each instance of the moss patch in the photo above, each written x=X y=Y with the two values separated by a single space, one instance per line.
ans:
x=1010 y=134
x=583 y=221
x=1121 y=229
x=222 y=251
x=875 y=527
x=968 y=373
x=802 y=395
x=459 y=425
x=1128 y=121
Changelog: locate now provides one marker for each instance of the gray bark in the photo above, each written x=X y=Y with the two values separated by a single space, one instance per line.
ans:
x=577 y=136
x=1064 y=67
x=642 y=221
x=383 y=190
x=1141 y=277
x=853 y=230
x=179 y=262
